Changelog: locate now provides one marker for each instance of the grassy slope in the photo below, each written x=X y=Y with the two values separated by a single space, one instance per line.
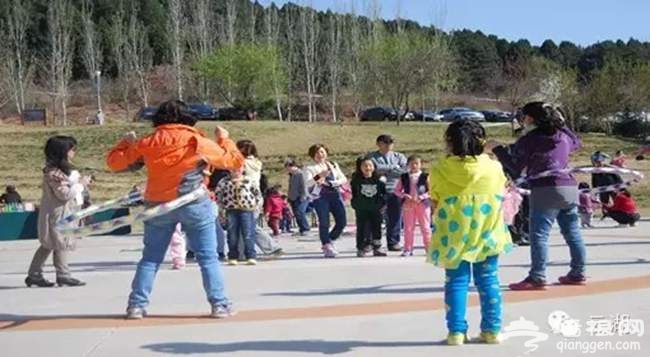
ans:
x=21 y=155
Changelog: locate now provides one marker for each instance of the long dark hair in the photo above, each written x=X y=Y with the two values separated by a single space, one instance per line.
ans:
x=547 y=118
x=465 y=137
x=173 y=112
x=56 y=152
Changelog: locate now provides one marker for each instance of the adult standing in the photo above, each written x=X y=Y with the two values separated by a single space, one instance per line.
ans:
x=253 y=171
x=297 y=195
x=547 y=145
x=390 y=165
x=176 y=155
x=324 y=180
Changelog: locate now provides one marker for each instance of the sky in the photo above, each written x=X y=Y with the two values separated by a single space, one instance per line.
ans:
x=582 y=22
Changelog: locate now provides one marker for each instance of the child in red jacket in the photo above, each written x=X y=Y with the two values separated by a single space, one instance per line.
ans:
x=623 y=210
x=273 y=207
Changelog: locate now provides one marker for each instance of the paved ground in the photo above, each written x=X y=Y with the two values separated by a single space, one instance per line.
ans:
x=303 y=305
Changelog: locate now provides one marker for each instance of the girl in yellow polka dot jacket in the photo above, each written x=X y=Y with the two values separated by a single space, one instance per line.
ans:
x=469 y=231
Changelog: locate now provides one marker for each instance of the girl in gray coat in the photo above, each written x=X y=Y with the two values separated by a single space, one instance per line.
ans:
x=59 y=199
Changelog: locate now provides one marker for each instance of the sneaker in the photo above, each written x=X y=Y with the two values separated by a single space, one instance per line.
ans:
x=190 y=255
x=367 y=248
x=379 y=252
x=233 y=262
x=405 y=253
x=222 y=258
x=528 y=284
x=251 y=262
x=395 y=248
x=490 y=338
x=329 y=251
x=278 y=252
x=457 y=338
x=221 y=311
x=361 y=253
x=135 y=313
x=572 y=280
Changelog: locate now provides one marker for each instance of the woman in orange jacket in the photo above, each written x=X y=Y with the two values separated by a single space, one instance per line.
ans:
x=176 y=156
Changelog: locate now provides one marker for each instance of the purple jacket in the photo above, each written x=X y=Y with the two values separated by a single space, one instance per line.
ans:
x=537 y=152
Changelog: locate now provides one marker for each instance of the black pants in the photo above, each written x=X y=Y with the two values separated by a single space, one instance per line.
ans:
x=623 y=218
x=368 y=229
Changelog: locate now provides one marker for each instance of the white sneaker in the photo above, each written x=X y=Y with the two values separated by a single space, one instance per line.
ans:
x=329 y=251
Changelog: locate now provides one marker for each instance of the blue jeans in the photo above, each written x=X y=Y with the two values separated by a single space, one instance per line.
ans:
x=299 y=208
x=487 y=284
x=541 y=222
x=241 y=224
x=394 y=219
x=330 y=201
x=199 y=226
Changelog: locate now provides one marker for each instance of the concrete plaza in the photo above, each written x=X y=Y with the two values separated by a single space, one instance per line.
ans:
x=304 y=305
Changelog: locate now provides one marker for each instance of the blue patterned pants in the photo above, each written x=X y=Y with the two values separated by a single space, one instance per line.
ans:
x=487 y=284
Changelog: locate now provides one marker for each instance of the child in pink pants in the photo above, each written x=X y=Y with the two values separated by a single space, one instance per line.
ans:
x=177 y=248
x=413 y=188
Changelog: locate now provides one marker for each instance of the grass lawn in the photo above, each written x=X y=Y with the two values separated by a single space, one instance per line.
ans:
x=21 y=156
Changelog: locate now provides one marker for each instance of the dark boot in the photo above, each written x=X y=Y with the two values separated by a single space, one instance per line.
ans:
x=39 y=281
x=69 y=281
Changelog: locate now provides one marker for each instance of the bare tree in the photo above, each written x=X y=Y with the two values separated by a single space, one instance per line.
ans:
x=176 y=25
x=272 y=23
x=92 y=52
x=334 y=62
x=309 y=32
x=352 y=62
x=139 y=56
x=231 y=19
x=18 y=62
x=203 y=37
x=253 y=19
x=120 y=51
x=292 y=56
x=60 y=20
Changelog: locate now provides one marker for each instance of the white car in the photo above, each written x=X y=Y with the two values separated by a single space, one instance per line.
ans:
x=452 y=114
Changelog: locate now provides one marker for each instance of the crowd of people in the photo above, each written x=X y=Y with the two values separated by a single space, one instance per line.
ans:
x=459 y=206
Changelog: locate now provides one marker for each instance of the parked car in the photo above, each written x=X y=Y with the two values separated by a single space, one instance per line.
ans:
x=452 y=114
x=378 y=114
x=426 y=115
x=234 y=113
x=203 y=111
x=146 y=113
x=497 y=116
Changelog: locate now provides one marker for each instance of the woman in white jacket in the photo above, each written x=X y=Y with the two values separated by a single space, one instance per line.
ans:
x=324 y=180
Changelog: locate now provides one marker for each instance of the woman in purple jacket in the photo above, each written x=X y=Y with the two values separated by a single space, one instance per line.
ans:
x=546 y=145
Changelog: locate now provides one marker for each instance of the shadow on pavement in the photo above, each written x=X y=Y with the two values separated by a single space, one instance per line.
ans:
x=377 y=289
x=589 y=263
x=305 y=346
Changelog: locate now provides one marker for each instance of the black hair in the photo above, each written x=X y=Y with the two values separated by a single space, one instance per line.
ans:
x=625 y=192
x=247 y=147
x=10 y=189
x=360 y=160
x=547 y=118
x=173 y=112
x=273 y=190
x=56 y=152
x=465 y=137
x=583 y=186
x=618 y=152
x=413 y=158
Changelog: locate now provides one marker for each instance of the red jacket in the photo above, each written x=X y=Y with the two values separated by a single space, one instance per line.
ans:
x=274 y=205
x=622 y=203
